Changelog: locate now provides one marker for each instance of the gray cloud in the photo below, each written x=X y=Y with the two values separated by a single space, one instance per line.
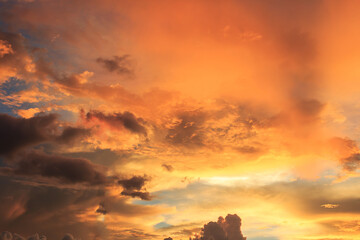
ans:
x=134 y=187
x=64 y=169
x=119 y=64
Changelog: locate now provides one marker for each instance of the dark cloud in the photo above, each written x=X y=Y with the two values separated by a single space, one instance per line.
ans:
x=71 y=134
x=50 y=210
x=19 y=133
x=119 y=64
x=134 y=183
x=133 y=186
x=351 y=163
x=64 y=169
x=119 y=120
x=101 y=209
x=169 y=238
x=213 y=231
x=168 y=167
x=142 y=195
x=224 y=229
x=232 y=227
x=16 y=133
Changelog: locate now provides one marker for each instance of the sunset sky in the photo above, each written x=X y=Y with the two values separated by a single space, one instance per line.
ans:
x=146 y=119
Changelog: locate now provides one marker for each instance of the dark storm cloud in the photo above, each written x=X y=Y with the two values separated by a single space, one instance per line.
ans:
x=71 y=134
x=17 y=133
x=64 y=169
x=133 y=186
x=119 y=120
x=118 y=64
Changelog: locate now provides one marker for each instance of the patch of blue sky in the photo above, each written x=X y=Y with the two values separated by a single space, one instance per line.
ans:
x=162 y=225
x=13 y=85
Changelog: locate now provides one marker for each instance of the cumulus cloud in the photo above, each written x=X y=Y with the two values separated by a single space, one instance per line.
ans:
x=224 y=229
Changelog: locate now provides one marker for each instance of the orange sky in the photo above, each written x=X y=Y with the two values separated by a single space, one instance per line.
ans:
x=147 y=119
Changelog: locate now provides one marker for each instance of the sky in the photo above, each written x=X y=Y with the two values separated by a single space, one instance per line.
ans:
x=129 y=120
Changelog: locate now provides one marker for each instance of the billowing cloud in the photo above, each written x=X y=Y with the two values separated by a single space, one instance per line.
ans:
x=224 y=229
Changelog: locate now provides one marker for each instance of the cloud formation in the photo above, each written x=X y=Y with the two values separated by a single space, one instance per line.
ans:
x=17 y=133
x=125 y=120
x=134 y=187
x=64 y=169
x=224 y=229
